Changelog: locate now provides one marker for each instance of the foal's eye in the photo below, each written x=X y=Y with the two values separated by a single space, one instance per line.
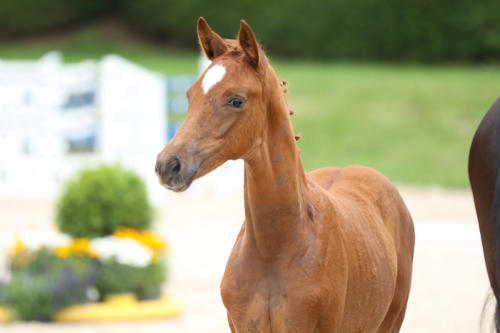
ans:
x=236 y=102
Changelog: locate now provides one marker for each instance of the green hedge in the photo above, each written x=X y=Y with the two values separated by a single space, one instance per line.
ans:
x=413 y=30
x=99 y=201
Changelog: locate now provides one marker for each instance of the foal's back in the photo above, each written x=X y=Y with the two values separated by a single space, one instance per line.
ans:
x=357 y=184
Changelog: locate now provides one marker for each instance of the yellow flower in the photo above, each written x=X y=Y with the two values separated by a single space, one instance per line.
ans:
x=146 y=238
x=19 y=257
x=18 y=248
x=125 y=232
x=79 y=246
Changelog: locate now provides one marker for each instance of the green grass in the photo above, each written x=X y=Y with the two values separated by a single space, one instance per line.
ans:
x=413 y=123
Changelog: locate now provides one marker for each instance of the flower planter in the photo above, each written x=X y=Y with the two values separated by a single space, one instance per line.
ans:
x=121 y=307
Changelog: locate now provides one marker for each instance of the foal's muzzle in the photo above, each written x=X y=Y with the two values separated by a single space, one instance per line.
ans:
x=173 y=174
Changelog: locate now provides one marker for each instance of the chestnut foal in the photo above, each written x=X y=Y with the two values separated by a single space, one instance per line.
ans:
x=326 y=251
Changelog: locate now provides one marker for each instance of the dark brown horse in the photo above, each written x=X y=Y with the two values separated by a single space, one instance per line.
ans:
x=484 y=171
x=325 y=251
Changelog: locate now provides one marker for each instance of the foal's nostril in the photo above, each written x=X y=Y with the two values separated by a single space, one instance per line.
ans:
x=174 y=166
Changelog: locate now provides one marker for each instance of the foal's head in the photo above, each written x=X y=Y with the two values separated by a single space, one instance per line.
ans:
x=226 y=113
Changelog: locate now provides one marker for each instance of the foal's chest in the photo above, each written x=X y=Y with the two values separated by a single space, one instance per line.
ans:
x=262 y=299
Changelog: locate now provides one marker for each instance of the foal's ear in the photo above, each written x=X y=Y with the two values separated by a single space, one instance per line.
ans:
x=248 y=43
x=211 y=43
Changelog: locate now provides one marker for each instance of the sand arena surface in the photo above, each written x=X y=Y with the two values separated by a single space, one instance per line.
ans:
x=449 y=281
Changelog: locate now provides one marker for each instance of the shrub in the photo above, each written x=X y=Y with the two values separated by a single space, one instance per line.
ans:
x=420 y=30
x=414 y=30
x=145 y=282
x=46 y=284
x=99 y=201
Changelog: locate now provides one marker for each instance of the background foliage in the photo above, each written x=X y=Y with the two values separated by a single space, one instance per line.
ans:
x=99 y=201
x=23 y=17
x=413 y=30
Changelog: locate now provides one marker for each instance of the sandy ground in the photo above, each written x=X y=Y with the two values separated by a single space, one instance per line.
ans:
x=449 y=281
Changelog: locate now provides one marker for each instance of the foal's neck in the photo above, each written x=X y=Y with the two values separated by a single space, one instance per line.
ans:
x=275 y=183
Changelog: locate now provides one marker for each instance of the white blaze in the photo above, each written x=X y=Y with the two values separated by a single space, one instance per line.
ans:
x=213 y=75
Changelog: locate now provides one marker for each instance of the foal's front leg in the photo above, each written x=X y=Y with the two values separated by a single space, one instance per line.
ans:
x=231 y=326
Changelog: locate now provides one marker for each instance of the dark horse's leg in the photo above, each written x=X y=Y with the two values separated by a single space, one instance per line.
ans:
x=484 y=175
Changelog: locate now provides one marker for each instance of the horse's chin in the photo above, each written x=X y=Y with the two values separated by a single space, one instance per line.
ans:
x=179 y=183
x=177 y=188
x=184 y=180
